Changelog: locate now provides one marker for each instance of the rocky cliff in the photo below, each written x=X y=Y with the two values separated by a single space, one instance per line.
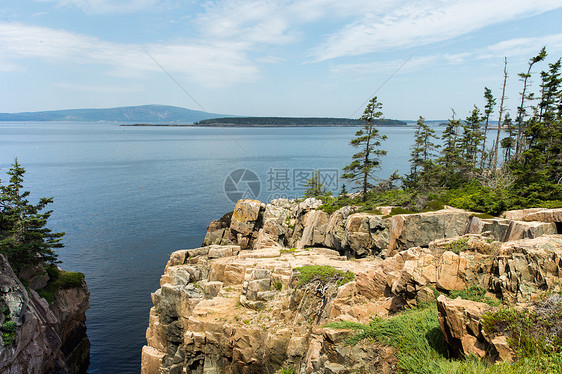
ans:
x=257 y=296
x=38 y=337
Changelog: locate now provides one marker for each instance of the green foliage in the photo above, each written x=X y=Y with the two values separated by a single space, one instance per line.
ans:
x=289 y=250
x=277 y=285
x=457 y=246
x=368 y=140
x=474 y=293
x=314 y=187
x=415 y=333
x=59 y=280
x=24 y=239
x=323 y=273
x=287 y=370
x=421 y=348
x=8 y=329
x=531 y=333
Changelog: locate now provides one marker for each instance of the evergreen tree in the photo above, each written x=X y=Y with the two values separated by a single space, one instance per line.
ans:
x=24 y=239
x=471 y=139
x=450 y=154
x=314 y=186
x=521 y=111
x=488 y=110
x=423 y=150
x=508 y=143
x=368 y=140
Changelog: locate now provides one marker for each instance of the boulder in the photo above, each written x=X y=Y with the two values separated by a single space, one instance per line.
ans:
x=366 y=234
x=546 y=215
x=418 y=230
x=523 y=269
x=460 y=323
x=218 y=231
x=335 y=231
x=315 y=227
x=245 y=222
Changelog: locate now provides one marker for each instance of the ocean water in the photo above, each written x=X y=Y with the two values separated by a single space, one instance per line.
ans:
x=129 y=196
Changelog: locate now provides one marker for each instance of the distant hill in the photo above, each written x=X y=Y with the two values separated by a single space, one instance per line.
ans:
x=142 y=113
x=291 y=122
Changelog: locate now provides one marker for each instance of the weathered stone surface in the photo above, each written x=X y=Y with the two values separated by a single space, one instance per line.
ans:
x=366 y=234
x=335 y=231
x=535 y=214
x=461 y=326
x=520 y=214
x=522 y=268
x=415 y=230
x=48 y=338
x=223 y=309
x=315 y=227
x=546 y=215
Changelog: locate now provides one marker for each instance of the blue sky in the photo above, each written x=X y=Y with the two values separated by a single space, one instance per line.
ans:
x=271 y=58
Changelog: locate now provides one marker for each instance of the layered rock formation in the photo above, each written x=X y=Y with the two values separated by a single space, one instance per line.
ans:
x=43 y=338
x=238 y=306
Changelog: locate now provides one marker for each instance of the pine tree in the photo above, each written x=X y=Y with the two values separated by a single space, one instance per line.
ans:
x=508 y=143
x=471 y=139
x=314 y=186
x=368 y=140
x=521 y=111
x=488 y=110
x=423 y=150
x=450 y=159
x=24 y=239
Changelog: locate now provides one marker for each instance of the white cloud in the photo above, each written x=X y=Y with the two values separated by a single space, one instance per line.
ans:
x=524 y=47
x=400 y=66
x=417 y=23
x=105 y=6
x=211 y=64
x=96 y=89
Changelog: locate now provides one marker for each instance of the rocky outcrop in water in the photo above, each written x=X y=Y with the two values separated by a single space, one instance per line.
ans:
x=38 y=337
x=241 y=308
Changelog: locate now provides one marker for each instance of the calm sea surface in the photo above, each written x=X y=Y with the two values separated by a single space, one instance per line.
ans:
x=129 y=196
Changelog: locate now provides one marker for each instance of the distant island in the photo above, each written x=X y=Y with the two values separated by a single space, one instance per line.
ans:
x=291 y=122
x=165 y=114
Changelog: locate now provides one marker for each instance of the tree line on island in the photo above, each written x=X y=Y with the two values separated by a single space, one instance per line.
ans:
x=293 y=122
x=522 y=169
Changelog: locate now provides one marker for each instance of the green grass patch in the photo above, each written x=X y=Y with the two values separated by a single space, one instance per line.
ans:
x=457 y=246
x=288 y=250
x=58 y=280
x=8 y=329
x=531 y=333
x=417 y=337
x=325 y=274
x=474 y=293
x=415 y=333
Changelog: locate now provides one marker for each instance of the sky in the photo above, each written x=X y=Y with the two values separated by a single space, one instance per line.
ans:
x=314 y=58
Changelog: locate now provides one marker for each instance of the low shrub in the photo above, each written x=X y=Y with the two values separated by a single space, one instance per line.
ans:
x=474 y=293
x=58 y=280
x=457 y=246
x=531 y=333
x=309 y=273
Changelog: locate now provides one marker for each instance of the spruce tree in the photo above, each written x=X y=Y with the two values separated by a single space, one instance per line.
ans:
x=423 y=150
x=368 y=140
x=314 y=186
x=521 y=111
x=488 y=110
x=24 y=239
